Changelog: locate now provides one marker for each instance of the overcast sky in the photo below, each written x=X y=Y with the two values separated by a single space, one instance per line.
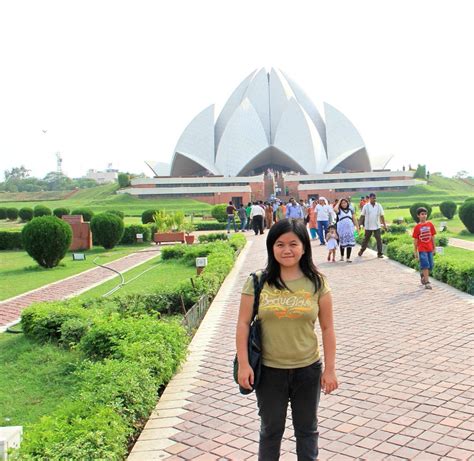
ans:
x=117 y=82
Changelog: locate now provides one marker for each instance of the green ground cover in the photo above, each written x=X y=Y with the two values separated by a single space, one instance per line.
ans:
x=34 y=379
x=103 y=198
x=19 y=273
x=160 y=274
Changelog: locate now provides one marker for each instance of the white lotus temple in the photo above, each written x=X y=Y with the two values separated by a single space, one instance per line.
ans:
x=269 y=140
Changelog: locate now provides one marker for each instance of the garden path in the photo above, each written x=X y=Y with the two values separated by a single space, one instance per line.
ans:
x=10 y=309
x=405 y=365
x=460 y=243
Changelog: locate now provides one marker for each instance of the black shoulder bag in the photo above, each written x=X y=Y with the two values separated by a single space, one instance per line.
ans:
x=255 y=339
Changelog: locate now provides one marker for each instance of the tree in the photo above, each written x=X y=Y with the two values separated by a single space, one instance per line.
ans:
x=16 y=173
x=107 y=229
x=124 y=179
x=420 y=172
x=58 y=181
x=463 y=174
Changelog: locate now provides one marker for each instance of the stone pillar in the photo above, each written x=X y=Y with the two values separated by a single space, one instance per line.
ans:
x=81 y=232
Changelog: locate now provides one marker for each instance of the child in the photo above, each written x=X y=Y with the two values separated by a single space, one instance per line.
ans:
x=332 y=242
x=424 y=243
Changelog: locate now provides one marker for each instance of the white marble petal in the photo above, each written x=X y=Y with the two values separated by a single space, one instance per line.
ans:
x=243 y=138
x=159 y=168
x=280 y=94
x=230 y=106
x=297 y=136
x=258 y=95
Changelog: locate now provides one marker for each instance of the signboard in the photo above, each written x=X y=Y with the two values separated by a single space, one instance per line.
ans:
x=78 y=256
x=201 y=262
x=440 y=250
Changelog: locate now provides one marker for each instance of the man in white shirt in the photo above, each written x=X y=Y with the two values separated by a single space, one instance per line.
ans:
x=257 y=213
x=373 y=215
x=323 y=211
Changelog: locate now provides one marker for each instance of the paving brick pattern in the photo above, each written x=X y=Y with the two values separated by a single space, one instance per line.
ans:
x=10 y=309
x=460 y=243
x=405 y=363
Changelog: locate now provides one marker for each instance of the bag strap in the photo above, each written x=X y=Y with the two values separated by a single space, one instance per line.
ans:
x=257 y=288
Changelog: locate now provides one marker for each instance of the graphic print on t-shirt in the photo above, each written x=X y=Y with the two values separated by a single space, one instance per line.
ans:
x=286 y=304
x=425 y=233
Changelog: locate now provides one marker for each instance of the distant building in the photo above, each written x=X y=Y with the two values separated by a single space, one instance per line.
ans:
x=103 y=177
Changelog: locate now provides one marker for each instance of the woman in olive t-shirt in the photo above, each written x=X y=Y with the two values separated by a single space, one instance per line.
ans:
x=294 y=295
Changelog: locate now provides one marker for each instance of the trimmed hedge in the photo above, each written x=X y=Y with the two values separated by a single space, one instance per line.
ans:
x=209 y=226
x=86 y=213
x=118 y=213
x=466 y=214
x=3 y=213
x=107 y=229
x=147 y=216
x=12 y=214
x=415 y=207
x=212 y=237
x=60 y=212
x=448 y=209
x=41 y=210
x=130 y=232
x=218 y=212
x=46 y=239
x=26 y=214
x=11 y=240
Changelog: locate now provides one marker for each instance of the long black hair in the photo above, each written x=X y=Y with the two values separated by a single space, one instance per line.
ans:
x=272 y=271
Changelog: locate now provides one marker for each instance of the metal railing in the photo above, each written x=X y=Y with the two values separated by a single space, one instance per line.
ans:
x=194 y=316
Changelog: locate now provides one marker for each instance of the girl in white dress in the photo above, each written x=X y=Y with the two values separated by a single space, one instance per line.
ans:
x=332 y=240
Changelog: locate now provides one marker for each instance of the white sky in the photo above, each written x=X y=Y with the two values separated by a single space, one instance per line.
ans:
x=117 y=82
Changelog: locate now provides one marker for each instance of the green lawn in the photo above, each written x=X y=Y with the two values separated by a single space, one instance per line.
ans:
x=104 y=198
x=158 y=274
x=19 y=273
x=34 y=379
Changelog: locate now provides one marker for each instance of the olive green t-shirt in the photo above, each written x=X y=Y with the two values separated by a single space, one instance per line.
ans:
x=288 y=319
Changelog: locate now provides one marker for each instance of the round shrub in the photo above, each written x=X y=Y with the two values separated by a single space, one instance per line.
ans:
x=41 y=210
x=86 y=213
x=147 y=216
x=60 y=212
x=26 y=214
x=46 y=239
x=12 y=214
x=466 y=214
x=415 y=207
x=219 y=212
x=448 y=209
x=3 y=213
x=118 y=213
x=131 y=231
x=107 y=229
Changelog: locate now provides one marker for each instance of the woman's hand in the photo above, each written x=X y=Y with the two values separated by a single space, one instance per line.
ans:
x=245 y=376
x=329 y=381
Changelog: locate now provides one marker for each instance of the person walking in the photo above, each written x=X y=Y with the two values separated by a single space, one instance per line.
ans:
x=294 y=296
x=346 y=224
x=268 y=215
x=280 y=212
x=257 y=213
x=230 y=210
x=372 y=215
x=248 y=209
x=242 y=213
x=312 y=223
x=332 y=241
x=424 y=241
x=293 y=210
x=323 y=210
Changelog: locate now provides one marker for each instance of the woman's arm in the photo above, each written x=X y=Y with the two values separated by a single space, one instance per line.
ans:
x=328 y=379
x=246 y=375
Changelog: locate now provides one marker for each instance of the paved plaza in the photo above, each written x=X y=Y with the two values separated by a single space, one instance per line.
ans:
x=404 y=360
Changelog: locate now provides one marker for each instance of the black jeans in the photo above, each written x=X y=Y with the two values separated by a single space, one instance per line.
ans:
x=300 y=386
x=378 y=238
x=257 y=222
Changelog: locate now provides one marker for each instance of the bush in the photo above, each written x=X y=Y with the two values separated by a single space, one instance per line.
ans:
x=10 y=240
x=60 y=212
x=12 y=214
x=415 y=207
x=466 y=214
x=148 y=215
x=173 y=252
x=108 y=229
x=130 y=232
x=207 y=226
x=448 y=209
x=77 y=431
x=3 y=213
x=47 y=239
x=397 y=229
x=86 y=213
x=441 y=241
x=118 y=213
x=212 y=237
x=218 y=212
x=124 y=180
x=73 y=329
x=26 y=214
x=41 y=210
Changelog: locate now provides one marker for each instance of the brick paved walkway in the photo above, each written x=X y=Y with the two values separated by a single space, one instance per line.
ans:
x=10 y=309
x=405 y=363
x=460 y=243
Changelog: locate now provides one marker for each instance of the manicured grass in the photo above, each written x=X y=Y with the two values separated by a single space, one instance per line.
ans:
x=159 y=274
x=19 y=273
x=34 y=379
x=104 y=198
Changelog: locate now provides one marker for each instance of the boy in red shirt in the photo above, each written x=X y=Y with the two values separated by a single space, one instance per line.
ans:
x=424 y=233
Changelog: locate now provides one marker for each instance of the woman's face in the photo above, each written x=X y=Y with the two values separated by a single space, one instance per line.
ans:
x=288 y=249
x=344 y=204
